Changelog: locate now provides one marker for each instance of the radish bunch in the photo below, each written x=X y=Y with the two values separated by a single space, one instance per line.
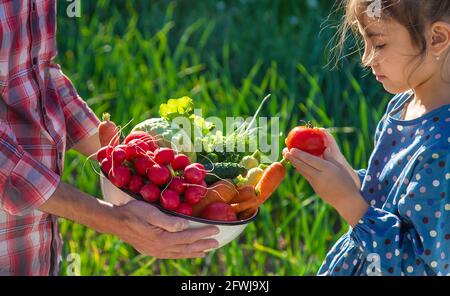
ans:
x=157 y=174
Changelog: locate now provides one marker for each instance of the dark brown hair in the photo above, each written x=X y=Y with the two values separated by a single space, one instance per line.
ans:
x=414 y=15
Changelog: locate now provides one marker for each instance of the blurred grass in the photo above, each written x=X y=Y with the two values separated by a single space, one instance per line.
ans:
x=126 y=57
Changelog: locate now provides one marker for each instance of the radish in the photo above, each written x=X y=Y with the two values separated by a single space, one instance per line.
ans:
x=136 y=148
x=193 y=195
x=142 y=137
x=150 y=193
x=104 y=152
x=184 y=209
x=142 y=164
x=164 y=156
x=180 y=162
x=194 y=173
x=106 y=164
x=219 y=211
x=120 y=176
x=118 y=155
x=136 y=183
x=159 y=174
x=170 y=200
x=177 y=184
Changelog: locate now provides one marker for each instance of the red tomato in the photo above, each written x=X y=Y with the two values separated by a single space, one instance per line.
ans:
x=308 y=139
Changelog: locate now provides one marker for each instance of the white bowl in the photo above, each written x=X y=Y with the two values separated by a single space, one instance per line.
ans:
x=228 y=230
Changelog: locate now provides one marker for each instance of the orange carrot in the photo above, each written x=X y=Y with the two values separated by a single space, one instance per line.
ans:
x=107 y=132
x=244 y=205
x=223 y=191
x=246 y=214
x=244 y=193
x=269 y=182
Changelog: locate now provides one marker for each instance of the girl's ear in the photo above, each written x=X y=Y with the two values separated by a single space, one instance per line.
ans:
x=440 y=38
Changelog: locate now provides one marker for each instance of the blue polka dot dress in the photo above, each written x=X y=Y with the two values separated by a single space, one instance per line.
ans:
x=406 y=230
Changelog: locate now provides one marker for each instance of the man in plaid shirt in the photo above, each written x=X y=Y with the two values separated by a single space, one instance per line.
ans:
x=41 y=117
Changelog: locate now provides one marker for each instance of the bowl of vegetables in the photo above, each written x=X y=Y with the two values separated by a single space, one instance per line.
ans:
x=206 y=188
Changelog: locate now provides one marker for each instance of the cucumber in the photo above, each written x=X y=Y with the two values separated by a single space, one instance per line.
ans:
x=223 y=170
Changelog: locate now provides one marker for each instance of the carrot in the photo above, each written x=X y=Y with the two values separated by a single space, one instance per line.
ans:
x=269 y=182
x=244 y=193
x=246 y=214
x=244 y=205
x=223 y=190
x=107 y=132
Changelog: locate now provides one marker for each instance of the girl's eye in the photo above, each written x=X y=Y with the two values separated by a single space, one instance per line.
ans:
x=378 y=47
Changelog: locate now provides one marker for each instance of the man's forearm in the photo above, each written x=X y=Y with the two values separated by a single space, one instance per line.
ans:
x=73 y=204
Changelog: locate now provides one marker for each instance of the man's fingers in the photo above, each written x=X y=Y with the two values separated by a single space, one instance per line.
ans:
x=169 y=223
x=198 y=246
x=313 y=161
x=190 y=236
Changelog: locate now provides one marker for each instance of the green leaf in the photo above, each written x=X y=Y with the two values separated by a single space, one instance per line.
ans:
x=176 y=108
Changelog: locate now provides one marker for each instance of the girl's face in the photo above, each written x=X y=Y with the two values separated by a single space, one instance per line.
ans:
x=390 y=52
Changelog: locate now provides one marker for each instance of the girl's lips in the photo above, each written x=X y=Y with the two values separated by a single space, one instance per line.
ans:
x=380 y=77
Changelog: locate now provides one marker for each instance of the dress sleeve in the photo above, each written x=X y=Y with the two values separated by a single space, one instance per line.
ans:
x=419 y=233
x=25 y=183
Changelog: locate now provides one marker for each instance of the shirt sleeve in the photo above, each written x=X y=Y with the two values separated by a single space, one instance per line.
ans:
x=25 y=183
x=81 y=121
x=419 y=233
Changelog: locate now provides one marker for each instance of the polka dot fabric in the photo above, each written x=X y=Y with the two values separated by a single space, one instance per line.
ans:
x=406 y=230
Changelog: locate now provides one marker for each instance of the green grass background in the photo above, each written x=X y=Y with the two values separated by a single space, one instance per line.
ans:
x=127 y=57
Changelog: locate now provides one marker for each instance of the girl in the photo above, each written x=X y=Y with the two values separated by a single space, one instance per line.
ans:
x=398 y=209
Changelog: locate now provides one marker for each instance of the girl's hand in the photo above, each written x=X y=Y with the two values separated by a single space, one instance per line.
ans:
x=332 y=181
x=336 y=154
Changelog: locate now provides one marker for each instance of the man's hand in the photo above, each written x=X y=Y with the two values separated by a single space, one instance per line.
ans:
x=154 y=233
x=143 y=226
x=331 y=181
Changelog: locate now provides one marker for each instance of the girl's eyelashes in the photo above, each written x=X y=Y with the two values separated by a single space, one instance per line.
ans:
x=378 y=47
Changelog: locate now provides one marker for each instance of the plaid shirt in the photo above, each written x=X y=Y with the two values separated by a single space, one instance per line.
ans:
x=41 y=116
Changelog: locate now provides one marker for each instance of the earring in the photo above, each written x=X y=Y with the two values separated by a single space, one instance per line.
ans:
x=438 y=58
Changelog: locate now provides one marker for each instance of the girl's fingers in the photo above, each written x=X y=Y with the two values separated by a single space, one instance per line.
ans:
x=311 y=160
x=303 y=168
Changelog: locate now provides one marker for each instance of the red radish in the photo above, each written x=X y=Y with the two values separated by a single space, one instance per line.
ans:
x=136 y=135
x=120 y=176
x=307 y=138
x=136 y=183
x=194 y=194
x=170 y=200
x=194 y=173
x=103 y=152
x=150 y=193
x=142 y=164
x=142 y=137
x=184 y=209
x=180 y=161
x=106 y=164
x=158 y=174
x=164 y=156
x=135 y=149
x=219 y=211
x=107 y=132
x=178 y=185
x=118 y=155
